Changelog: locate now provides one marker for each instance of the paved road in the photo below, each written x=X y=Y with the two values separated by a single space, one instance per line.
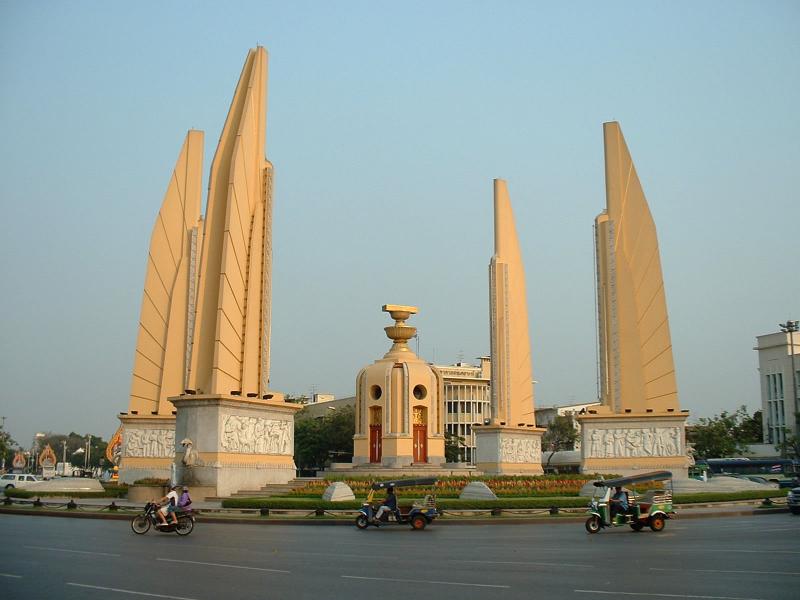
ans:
x=755 y=557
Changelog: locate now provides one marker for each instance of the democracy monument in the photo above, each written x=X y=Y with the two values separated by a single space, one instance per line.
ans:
x=201 y=410
x=200 y=401
x=639 y=425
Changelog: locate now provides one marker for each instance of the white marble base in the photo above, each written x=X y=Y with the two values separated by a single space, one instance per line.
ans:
x=627 y=444
x=237 y=443
x=503 y=450
x=148 y=447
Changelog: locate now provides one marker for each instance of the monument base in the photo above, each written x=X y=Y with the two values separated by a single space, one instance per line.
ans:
x=632 y=443
x=230 y=443
x=148 y=447
x=503 y=450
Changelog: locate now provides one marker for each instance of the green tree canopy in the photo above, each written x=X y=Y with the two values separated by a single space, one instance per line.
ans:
x=560 y=435
x=321 y=440
x=453 y=445
x=724 y=435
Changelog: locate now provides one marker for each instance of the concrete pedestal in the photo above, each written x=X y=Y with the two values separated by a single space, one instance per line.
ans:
x=231 y=443
x=503 y=450
x=148 y=447
x=631 y=443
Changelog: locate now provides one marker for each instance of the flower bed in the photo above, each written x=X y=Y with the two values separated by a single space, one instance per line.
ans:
x=450 y=487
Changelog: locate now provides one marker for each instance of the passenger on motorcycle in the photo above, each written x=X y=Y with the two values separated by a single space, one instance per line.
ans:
x=169 y=505
x=389 y=504
x=185 y=501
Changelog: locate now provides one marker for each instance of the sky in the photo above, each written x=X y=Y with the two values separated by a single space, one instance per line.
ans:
x=387 y=123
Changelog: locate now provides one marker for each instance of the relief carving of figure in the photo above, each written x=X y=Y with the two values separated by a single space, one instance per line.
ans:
x=594 y=444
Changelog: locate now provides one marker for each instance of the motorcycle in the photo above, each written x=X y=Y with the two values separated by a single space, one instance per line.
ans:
x=142 y=522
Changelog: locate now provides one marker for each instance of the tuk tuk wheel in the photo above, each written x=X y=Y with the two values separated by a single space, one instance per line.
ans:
x=361 y=521
x=593 y=524
x=418 y=522
x=637 y=526
x=657 y=522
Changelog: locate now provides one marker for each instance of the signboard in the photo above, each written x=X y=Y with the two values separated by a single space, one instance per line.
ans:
x=19 y=461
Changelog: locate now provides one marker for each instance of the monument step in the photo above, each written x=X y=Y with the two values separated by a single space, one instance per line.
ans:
x=276 y=489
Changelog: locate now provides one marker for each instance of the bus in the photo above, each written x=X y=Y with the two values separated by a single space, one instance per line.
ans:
x=777 y=470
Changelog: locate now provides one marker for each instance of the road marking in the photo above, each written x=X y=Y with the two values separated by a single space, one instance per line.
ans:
x=121 y=591
x=721 y=571
x=10 y=575
x=514 y=562
x=617 y=593
x=71 y=551
x=485 y=585
x=210 y=564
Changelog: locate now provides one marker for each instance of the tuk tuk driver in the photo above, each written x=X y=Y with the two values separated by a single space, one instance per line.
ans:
x=389 y=504
x=619 y=502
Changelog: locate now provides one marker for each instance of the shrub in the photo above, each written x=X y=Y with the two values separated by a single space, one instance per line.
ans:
x=155 y=481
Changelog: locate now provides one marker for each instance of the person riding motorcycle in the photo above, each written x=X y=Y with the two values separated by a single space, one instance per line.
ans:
x=169 y=504
x=389 y=505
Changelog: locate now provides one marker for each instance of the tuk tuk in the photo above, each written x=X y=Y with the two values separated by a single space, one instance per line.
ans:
x=417 y=514
x=651 y=508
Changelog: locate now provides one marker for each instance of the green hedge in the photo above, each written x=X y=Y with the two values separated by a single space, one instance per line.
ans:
x=511 y=503
x=731 y=496
x=113 y=492
x=446 y=504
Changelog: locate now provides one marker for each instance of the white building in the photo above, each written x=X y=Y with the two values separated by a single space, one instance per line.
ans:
x=778 y=358
x=467 y=401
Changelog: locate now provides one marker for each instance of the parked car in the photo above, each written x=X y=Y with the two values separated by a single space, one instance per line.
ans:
x=20 y=480
x=793 y=500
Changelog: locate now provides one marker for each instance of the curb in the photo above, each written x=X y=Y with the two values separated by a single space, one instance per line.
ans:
x=202 y=518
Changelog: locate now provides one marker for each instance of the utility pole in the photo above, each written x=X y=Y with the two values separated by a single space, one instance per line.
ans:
x=791 y=328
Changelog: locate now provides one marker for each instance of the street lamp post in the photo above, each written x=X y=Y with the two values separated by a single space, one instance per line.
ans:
x=791 y=328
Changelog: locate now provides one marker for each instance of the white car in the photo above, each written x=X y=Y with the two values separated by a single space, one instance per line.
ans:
x=20 y=480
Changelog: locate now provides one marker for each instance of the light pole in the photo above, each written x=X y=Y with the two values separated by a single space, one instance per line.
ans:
x=791 y=327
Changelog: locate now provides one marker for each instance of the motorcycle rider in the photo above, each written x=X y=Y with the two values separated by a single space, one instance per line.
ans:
x=389 y=505
x=169 y=504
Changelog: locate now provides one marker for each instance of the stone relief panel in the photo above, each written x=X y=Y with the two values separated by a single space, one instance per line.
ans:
x=158 y=443
x=256 y=435
x=634 y=442
x=520 y=450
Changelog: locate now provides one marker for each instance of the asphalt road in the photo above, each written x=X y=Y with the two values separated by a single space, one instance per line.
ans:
x=739 y=558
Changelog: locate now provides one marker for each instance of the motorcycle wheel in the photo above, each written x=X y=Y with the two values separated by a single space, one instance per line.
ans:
x=657 y=522
x=185 y=526
x=362 y=522
x=140 y=524
x=593 y=524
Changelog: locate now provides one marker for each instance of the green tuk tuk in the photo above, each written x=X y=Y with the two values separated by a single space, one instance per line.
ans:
x=651 y=508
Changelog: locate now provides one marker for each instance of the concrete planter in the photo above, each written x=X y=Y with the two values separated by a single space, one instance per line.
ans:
x=145 y=493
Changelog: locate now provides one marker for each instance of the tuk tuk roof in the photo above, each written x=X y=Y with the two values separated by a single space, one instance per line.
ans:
x=633 y=479
x=380 y=485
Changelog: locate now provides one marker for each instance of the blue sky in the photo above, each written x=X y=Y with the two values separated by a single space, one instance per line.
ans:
x=386 y=124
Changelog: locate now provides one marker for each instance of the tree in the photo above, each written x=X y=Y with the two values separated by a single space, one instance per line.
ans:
x=560 y=435
x=76 y=448
x=7 y=445
x=726 y=434
x=452 y=447
x=790 y=447
x=318 y=441
x=750 y=429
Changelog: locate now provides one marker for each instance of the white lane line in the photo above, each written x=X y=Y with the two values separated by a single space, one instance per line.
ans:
x=10 y=575
x=526 y=563
x=618 y=593
x=71 y=551
x=134 y=592
x=721 y=571
x=210 y=564
x=484 y=585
